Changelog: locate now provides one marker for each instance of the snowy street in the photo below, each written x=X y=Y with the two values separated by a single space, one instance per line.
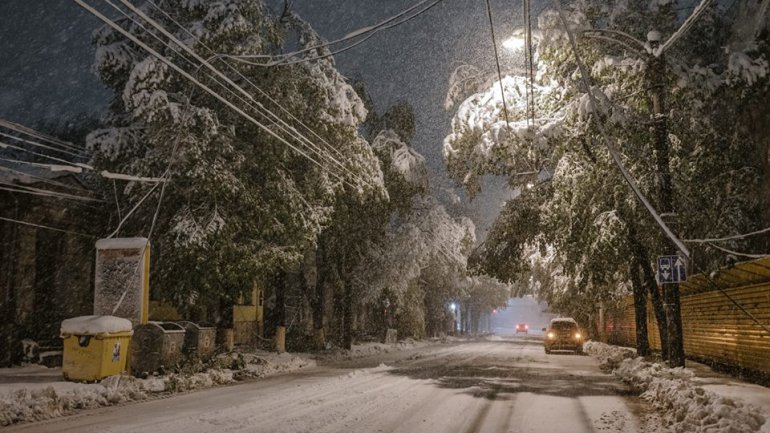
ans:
x=484 y=386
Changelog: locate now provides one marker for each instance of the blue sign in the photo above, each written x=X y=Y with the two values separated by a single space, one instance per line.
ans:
x=671 y=269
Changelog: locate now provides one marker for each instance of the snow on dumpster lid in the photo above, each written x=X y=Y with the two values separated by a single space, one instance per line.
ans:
x=121 y=243
x=93 y=325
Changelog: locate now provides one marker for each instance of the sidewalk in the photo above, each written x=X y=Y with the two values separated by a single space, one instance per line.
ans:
x=731 y=387
x=691 y=399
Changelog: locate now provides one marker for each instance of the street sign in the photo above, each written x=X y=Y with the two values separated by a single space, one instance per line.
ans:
x=671 y=269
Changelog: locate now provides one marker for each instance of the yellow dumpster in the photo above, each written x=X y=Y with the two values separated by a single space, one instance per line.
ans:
x=95 y=347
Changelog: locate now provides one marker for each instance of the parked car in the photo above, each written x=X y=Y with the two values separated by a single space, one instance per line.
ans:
x=522 y=327
x=563 y=333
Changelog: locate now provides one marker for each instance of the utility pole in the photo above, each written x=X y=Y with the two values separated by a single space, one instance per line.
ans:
x=657 y=72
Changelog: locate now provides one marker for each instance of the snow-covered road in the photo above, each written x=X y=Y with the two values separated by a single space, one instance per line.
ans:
x=485 y=386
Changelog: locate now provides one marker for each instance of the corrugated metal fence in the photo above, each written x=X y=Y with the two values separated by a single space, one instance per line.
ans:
x=718 y=324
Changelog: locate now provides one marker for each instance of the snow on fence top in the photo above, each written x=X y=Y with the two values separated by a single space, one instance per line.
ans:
x=94 y=325
x=121 y=243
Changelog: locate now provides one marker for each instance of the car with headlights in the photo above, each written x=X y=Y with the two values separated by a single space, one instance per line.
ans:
x=522 y=327
x=563 y=333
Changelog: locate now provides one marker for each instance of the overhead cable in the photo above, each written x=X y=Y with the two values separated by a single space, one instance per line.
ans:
x=291 y=131
x=42 y=155
x=197 y=82
x=286 y=61
x=737 y=253
x=254 y=86
x=370 y=30
x=39 y=135
x=610 y=145
x=39 y=178
x=727 y=238
x=497 y=62
x=13 y=187
x=27 y=223
x=77 y=168
x=41 y=145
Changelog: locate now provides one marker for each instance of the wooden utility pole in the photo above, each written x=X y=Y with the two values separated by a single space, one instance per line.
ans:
x=657 y=72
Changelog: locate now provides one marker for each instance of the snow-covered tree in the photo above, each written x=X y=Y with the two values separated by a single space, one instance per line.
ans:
x=578 y=205
x=238 y=204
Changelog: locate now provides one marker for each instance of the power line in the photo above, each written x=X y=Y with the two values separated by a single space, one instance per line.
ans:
x=36 y=144
x=26 y=223
x=39 y=135
x=287 y=62
x=610 y=146
x=13 y=187
x=727 y=238
x=214 y=79
x=737 y=253
x=42 y=155
x=292 y=131
x=497 y=62
x=40 y=178
x=383 y=25
x=529 y=62
x=263 y=93
x=195 y=81
x=77 y=168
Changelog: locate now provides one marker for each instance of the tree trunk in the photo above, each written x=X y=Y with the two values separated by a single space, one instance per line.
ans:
x=318 y=303
x=347 y=318
x=640 y=298
x=642 y=261
x=657 y=307
x=640 y=311
x=280 y=305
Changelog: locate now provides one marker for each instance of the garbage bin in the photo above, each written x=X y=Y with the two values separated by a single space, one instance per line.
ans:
x=199 y=339
x=156 y=346
x=95 y=347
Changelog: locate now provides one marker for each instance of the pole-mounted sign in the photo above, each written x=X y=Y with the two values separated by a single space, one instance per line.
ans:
x=671 y=269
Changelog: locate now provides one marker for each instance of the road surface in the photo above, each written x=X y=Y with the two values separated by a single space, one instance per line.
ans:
x=509 y=385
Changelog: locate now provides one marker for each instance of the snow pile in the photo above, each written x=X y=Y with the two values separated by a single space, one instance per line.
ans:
x=24 y=405
x=685 y=406
x=370 y=349
x=367 y=371
x=261 y=364
x=609 y=357
x=64 y=398
x=94 y=325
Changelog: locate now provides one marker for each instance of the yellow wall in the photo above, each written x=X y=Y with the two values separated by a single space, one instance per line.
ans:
x=714 y=328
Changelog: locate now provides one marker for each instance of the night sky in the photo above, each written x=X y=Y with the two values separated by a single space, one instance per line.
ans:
x=46 y=58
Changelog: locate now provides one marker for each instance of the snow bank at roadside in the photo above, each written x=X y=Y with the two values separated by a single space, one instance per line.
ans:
x=61 y=398
x=685 y=406
x=371 y=349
